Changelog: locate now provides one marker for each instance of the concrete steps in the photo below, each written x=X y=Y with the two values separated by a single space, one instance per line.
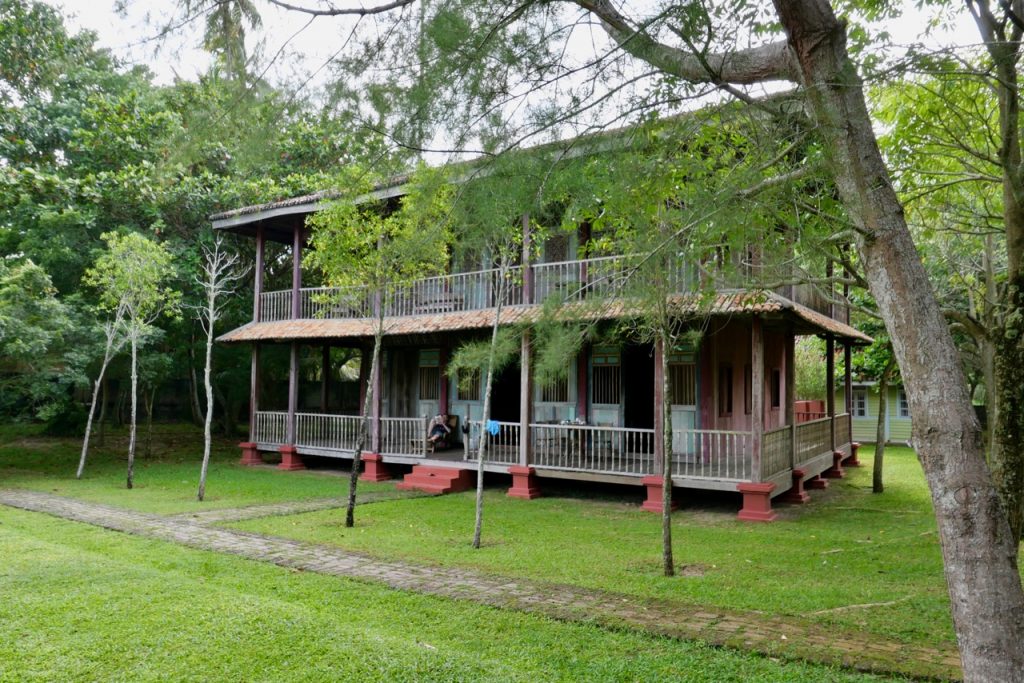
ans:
x=430 y=479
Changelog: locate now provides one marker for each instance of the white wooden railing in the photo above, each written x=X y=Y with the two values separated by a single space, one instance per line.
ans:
x=270 y=427
x=502 y=447
x=276 y=306
x=585 y=448
x=605 y=276
x=335 y=302
x=403 y=436
x=457 y=292
x=332 y=432
x=712 y=454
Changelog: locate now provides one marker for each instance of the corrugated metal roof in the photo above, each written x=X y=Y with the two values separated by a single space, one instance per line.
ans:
x=727 y=303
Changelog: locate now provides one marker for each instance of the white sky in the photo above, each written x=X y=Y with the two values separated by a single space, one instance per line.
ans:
x=131 y=37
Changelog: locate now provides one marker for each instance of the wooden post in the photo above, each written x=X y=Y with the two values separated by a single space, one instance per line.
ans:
x=442 y=362
x=375 y=405
x=254 y=390
x=297 y=273
x=830 y=386
x=582 y=385
x=527 y=257
x=257 y=287
x=847 y=378
x=525 y=401
x=293 y=393
x=756 y=395
x=659 y=408
x=325 y=377
x=790 y=391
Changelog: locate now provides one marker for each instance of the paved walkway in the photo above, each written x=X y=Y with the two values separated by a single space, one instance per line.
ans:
x=292 y=507
x=776 y=636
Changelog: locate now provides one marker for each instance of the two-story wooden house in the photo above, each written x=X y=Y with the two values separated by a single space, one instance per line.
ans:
x=732 y=402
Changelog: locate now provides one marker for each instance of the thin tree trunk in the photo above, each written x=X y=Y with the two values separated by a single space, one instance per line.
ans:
x=208 y=421
x=979 y=552
x=478 y=521
x=877 y=483
x=88 y=422
x=668 y=564
x=135 y=406
x=104 y=398
x=357 y=457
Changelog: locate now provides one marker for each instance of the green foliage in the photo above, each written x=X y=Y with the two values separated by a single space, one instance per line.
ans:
x=810 y=369
x=132 y=275
x=358 y=244
x=470 y=358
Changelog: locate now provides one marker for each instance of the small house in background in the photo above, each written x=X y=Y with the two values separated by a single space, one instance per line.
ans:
x=864 y=403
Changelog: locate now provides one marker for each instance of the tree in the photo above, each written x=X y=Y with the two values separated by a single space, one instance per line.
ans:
x=114 y=340
x=675 y=45
x=221 y=274
x=366 y=250
x=131 y=275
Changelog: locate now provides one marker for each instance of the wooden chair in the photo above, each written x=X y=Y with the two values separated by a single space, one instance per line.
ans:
x=448 y=441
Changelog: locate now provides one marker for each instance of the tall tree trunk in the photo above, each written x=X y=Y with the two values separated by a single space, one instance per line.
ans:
x=208 y=384
x=979 y=552
x=478 y=518
x=877 y=480
x=88 y=422
x=135 y=406
x=103 y=411
x=357 y=457
x=668 y=563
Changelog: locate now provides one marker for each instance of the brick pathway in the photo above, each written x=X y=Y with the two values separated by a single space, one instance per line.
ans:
x=766 y=634
x=294 y=507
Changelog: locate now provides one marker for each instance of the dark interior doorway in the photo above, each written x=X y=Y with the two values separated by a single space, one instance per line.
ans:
x=505 y=394
x=638 y=387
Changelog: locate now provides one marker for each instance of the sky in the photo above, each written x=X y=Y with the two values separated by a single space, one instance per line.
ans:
x=310 y=44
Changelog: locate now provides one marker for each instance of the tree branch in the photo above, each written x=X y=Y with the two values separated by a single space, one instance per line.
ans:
x=337 y=12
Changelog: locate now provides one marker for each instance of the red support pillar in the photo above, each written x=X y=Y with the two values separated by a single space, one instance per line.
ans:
x=524 y=483
x=756 y=396
x=816 y=482
x=757 y=502
x=654 y=487
x=443 y=404
x=583 y=384
x=525 y=403
x=250 y=454
x=796 y=493
x=853 y=460
x=257 y=287
x=297 y=273
x=290 y=459
x=293 y=392
x=374 y=468
x=836 y=471
x=659 y=409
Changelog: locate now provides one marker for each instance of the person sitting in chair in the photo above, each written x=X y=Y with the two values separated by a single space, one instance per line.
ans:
x=438 y=430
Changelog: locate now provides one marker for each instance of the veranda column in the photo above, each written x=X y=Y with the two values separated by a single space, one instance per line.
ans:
x=442 y=397
x=290 y=460
x=796 y=493
x=836 y=471
x=524 y=479
x=582 y=384
x=297 y=273
x=325 y=376
x=527 y=267
x=655 y=482
x=257 y=287
x=250 y=454
x=376 y=381
x=757 y=505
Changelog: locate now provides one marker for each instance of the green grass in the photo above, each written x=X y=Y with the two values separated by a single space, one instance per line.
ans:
x=850 y=558
x=84 y=604
x=165 y=481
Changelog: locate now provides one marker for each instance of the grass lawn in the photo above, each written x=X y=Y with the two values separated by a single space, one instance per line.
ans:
x=85 y=604
x=849 y=558
x=165 y=481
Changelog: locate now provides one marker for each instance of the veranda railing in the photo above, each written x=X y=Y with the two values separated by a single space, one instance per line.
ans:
x=270 y=427
x=586 y=448
x=501 y=447
x=712 y=454
x=403 y=436
x=330 y=432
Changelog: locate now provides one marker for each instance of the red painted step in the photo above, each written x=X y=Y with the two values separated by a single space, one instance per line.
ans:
x=437 y=479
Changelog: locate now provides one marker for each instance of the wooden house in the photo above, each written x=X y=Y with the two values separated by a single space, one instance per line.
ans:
x=732 y=402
